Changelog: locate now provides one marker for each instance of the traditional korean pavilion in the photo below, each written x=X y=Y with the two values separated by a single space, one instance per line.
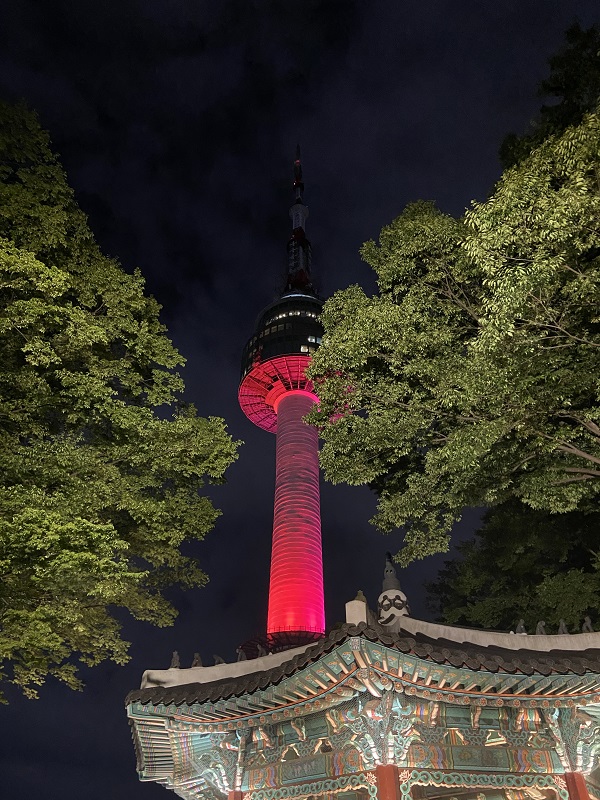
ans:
x=384 y=706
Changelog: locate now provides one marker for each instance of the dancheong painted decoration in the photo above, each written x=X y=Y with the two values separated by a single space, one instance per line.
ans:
x=408 y=709
x=384 y=706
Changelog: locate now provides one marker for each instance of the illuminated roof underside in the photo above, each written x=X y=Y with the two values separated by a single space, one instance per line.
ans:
x=266 y=382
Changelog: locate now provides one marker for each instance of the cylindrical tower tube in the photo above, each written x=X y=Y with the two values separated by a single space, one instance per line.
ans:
x=296 y=586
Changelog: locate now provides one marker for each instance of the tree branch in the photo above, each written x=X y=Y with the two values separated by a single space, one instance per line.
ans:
x=565 y=447
x=591 y=426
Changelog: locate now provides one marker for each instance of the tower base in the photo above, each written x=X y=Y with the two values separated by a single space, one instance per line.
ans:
x=278 y=642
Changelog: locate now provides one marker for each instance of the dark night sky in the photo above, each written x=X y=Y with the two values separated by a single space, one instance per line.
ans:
x=177 y=122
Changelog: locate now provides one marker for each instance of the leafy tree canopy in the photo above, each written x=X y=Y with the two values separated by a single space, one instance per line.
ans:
x=523 y=564
x=573 y=87
x=101 y=464
x=472 y=377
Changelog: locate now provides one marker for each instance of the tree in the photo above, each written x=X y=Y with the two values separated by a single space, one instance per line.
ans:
x=574 y=87
x=523 y=564
x=101 y=463
x=472 y=377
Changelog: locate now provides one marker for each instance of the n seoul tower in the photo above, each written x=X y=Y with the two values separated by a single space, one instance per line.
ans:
x=275 y=395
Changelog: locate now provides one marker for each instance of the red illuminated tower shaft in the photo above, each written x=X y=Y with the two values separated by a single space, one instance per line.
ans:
x=275 y=394
x=296 y=587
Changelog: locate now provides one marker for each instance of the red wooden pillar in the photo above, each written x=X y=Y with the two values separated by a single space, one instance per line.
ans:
x=235 y=795
x=388 y=782
x=576 y=786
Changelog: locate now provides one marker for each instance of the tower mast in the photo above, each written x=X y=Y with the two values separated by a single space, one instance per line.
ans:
x=275 y=394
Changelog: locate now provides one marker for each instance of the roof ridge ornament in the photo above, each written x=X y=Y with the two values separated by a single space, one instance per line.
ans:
x=392 y=603
x=390 y=578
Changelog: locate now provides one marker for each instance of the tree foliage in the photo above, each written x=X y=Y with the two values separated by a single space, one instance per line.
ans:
x=573 y=87
x=523 y=564
x=472 y=377
x=101 y=464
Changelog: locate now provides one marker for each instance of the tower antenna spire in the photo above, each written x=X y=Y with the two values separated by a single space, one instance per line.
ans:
x=298 y=247
x=298 y=183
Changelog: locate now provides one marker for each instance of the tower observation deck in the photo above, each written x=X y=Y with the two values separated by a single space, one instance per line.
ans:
x=275 y=394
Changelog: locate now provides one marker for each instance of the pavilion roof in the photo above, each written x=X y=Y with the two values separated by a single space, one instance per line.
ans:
x=525 y=666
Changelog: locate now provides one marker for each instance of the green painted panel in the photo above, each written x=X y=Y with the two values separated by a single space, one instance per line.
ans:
x=480 y=757
x=301 y=769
